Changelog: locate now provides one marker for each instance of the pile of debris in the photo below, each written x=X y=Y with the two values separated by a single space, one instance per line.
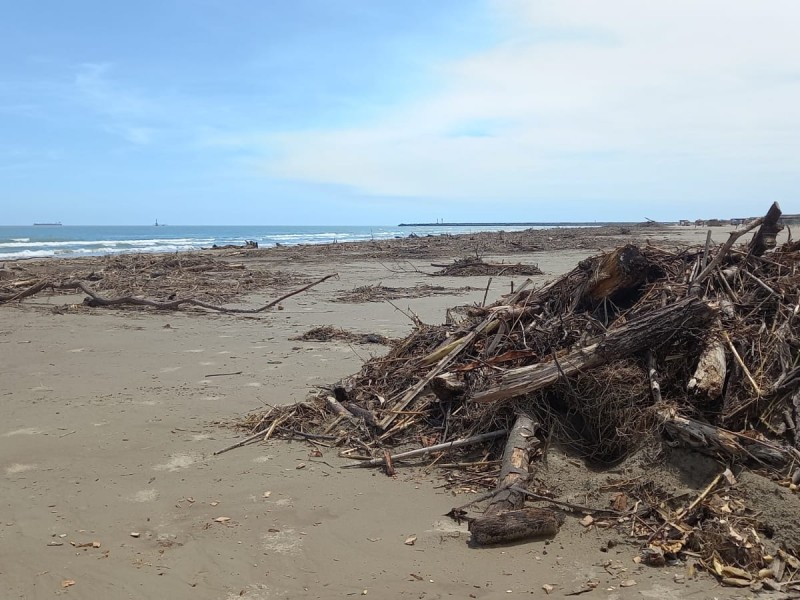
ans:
x=471 y=266
x=329 y=333
x=695 y=347
x=381 y=293
x=162 y=281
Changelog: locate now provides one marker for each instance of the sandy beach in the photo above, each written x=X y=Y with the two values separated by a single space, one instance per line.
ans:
x=109 y=419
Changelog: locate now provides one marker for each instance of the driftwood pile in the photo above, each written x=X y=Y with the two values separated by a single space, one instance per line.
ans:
x=381 y=293
x=164 y=281
x=329 y=333
x=472 y=266
x=695 y=347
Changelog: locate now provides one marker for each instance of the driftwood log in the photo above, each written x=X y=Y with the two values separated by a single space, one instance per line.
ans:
x=505 y=519
x=645 y=332
x=728 y=446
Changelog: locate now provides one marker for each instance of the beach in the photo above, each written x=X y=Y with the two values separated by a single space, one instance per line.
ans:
x=110 y=417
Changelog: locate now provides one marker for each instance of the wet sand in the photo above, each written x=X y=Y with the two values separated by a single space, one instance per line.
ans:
x=109 y=421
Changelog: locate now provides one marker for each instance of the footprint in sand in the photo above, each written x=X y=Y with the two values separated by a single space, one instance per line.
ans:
x=20 y=468
x=144 y=496
x=169 y=369
x=77 y=349
x=286 y=541
x=23 y=431
x=177 y=462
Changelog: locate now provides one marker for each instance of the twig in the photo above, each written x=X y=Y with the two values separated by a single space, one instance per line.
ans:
x=689 y=508
x=486 y=293
x=246 y=440
x=222 y=374
x=476 y=439
x=570 y=505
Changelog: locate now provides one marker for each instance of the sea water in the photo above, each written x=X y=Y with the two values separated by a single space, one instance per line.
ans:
x=73 y=240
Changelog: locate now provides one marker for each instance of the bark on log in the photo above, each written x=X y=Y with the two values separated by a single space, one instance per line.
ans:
x=505 y=519
x=515 y=525
x=721 y=443
x=515 y=466
x=765 y=237
x=620 y=270
x=647 y=331
x=708 y=379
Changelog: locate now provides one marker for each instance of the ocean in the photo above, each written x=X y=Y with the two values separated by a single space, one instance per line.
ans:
x=18 y=242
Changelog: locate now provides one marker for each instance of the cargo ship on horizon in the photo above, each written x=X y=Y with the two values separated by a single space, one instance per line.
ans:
x=56 y=224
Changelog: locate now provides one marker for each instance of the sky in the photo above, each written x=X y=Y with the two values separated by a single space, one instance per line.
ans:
x=373 y=112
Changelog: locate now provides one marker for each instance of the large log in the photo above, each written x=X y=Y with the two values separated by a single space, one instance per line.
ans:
x=723 y=444
x=505 y=519
x=645 y=332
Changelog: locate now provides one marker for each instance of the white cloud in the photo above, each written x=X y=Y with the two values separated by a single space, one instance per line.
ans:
x=586 y=99
x=120 y=109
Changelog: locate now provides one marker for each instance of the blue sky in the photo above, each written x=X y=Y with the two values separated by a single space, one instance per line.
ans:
x=376 y=112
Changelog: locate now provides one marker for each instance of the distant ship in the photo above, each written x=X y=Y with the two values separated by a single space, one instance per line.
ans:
x=57 y=224
x=159 y=224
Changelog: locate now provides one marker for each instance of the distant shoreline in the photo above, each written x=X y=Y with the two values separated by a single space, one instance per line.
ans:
x=524 y=224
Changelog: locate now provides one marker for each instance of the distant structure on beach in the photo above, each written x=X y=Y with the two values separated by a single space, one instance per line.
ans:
x=56 y=224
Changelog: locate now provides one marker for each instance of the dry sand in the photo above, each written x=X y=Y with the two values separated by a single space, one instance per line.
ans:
x=108 y=422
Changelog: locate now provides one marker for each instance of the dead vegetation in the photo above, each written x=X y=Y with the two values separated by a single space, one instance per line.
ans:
x=329 y=333
x=637 y=349
x=164 y=282
x=380 y=293
x=475 y=266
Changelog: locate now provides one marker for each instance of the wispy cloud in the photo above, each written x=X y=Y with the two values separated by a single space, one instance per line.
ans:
x=122 y=110
x=587 y=99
